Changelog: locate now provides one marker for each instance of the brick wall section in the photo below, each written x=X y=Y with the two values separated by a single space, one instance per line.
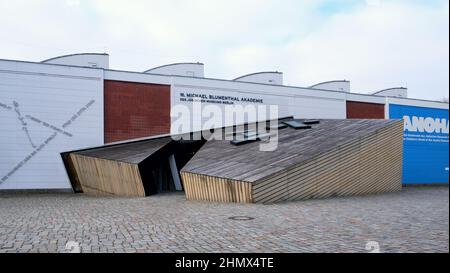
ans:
x=364 y=110
x=134 y=110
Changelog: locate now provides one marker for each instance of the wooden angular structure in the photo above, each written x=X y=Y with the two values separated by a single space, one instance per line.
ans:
x=323 y=158
x=137 y=168
x=333 y=158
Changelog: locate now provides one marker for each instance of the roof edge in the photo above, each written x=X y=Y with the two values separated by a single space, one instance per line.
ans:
x=166 y=135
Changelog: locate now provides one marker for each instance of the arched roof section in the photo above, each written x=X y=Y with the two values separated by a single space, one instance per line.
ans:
x=179 y=69
x=401 y=92
x=266 y=77
x=96 y=60
x=336 y=85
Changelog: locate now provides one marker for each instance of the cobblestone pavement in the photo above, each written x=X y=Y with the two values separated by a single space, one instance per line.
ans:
x=414 y=220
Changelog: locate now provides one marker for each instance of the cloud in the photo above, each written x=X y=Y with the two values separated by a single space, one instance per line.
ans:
x=378 y=47
x=375 y=44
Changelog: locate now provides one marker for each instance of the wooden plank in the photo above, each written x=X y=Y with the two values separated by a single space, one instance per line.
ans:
x=107 y=176
x=347 y=175
x=215 y=189
x=326 y=159
x=219 y=158
x=133 y=152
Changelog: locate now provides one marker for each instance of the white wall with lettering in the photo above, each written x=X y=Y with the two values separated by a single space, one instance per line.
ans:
x=46 y=109
x=291 y=101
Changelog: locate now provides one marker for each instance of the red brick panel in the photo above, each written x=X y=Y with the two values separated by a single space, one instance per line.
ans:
x=364 y=110
x=134 y=110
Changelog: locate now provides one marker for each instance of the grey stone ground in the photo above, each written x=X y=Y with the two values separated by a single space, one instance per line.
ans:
x=414 y=220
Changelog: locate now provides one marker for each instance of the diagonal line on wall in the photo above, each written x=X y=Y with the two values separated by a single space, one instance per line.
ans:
x=49 y=139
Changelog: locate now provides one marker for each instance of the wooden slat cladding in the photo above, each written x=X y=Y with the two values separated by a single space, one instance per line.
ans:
x=134 y=152
x=249 y=163
x=71 y=173
x=216 y=189
x=371 y=164
x=336 y=158
x=333 y=158
x=134 y=168
x=101 y=176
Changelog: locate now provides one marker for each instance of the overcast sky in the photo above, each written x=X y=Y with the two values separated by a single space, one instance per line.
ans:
x=375 y=44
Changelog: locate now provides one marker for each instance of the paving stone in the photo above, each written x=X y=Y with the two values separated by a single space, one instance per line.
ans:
x=413 y=220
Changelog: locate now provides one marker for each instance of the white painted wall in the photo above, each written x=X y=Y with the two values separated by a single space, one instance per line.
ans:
x=296 y=101
x=291 y=101
x=127 y=76
x=96 y=60
x=60 y=109
x=365 y=98
x=418 y=103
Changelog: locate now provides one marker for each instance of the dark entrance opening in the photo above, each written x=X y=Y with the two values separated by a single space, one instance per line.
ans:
x=160 y=171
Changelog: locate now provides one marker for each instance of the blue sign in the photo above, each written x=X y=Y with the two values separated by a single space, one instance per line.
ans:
x=425 y=143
